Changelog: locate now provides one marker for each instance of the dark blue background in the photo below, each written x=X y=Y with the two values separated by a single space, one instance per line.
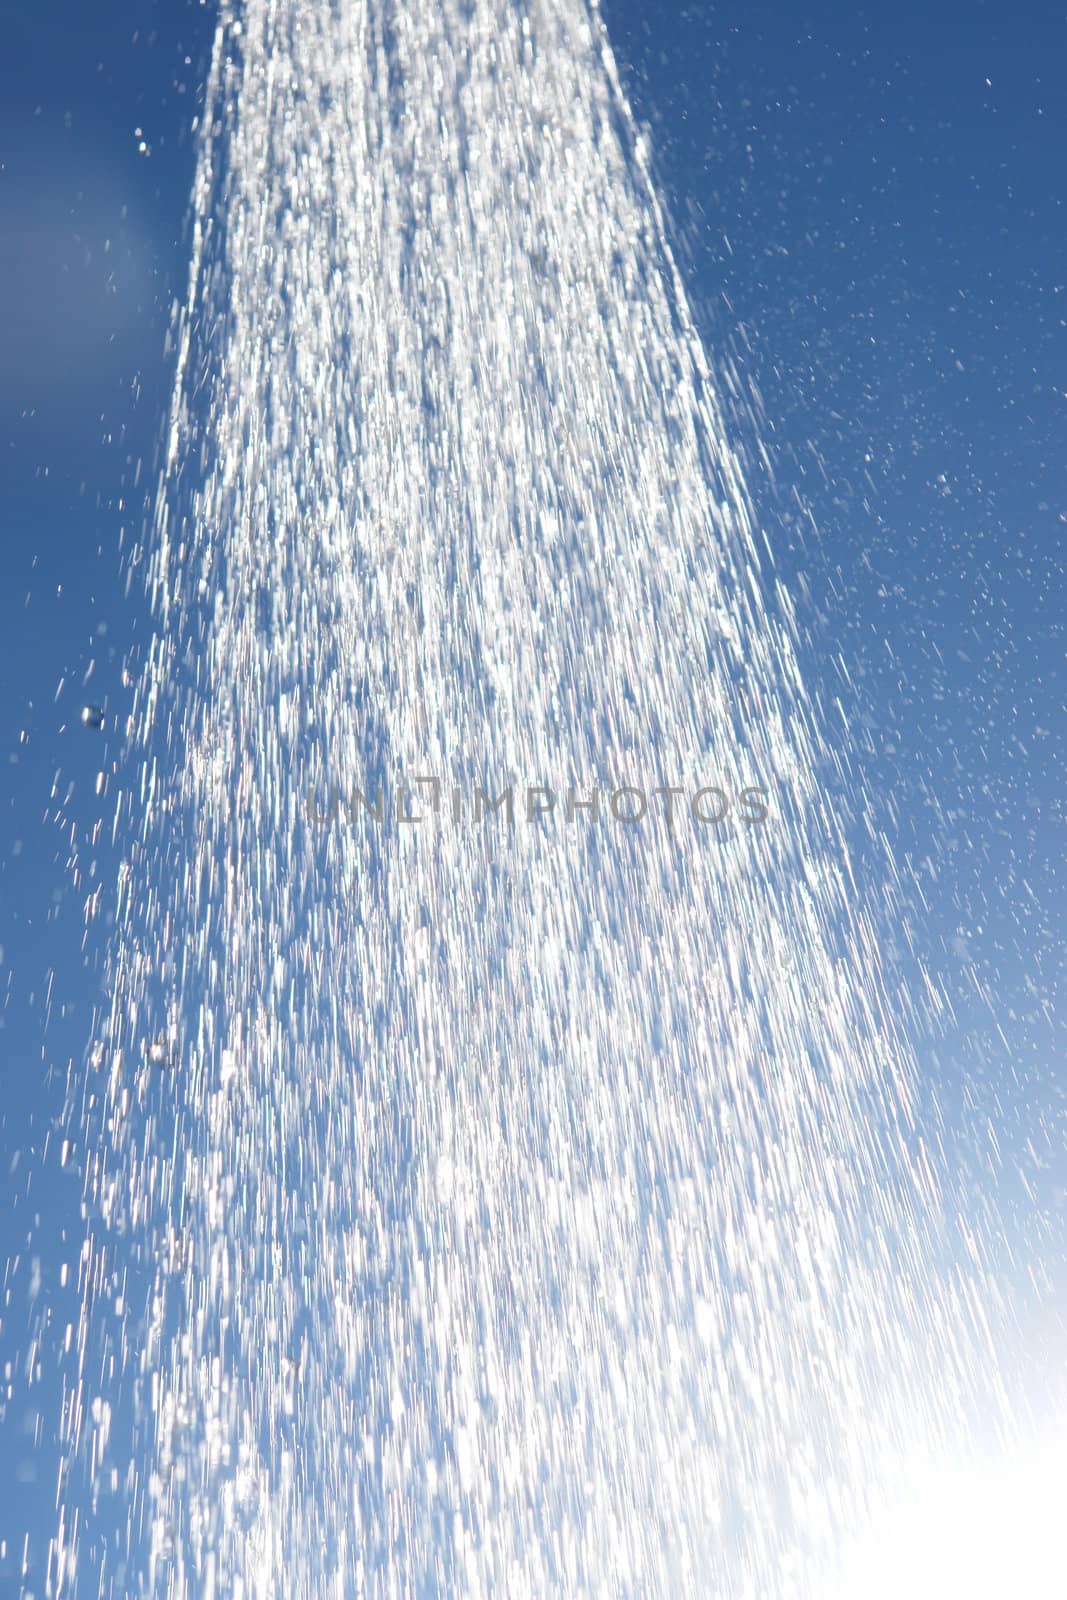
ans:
x=870 y=216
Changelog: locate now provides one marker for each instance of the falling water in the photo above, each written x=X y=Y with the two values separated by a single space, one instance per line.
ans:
x=519 y=1204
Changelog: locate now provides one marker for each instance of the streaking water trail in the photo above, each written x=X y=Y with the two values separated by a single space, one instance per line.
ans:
x=517 y=1210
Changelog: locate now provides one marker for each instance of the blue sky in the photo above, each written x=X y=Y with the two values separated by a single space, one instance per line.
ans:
x=871 y=219
x=874 y=224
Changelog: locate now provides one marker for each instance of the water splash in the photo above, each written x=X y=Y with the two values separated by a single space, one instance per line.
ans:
x=531 y=1210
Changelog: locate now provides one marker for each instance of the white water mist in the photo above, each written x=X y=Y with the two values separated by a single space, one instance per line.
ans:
x=513 y=1212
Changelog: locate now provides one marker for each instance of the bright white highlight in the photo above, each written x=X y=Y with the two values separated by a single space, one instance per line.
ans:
x=985 y=1529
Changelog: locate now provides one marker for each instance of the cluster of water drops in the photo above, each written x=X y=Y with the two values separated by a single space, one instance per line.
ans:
x=498 y=1211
